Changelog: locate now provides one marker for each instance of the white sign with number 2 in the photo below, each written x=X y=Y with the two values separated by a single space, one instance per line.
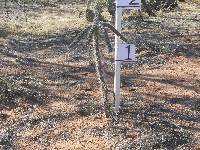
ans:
x=126 y=52
x=136 y=4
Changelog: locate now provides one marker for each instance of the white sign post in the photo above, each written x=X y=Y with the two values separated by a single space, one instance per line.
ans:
x=123 y=52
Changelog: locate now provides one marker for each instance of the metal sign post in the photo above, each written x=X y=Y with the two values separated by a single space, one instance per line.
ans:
x=123 y=52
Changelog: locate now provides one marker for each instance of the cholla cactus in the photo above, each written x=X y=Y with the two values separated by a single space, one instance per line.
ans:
x=92 y=32
x=98 y=24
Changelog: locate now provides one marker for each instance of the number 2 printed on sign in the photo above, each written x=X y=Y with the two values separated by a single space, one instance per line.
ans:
x=129 y=4
x=132 y=3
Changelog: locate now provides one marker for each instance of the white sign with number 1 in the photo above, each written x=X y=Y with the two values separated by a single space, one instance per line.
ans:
x=126 y=53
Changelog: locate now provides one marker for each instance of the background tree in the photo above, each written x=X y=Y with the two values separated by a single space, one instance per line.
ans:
x=149 y=6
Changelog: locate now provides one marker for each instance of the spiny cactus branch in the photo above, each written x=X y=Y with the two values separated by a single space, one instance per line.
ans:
x=80 y=36
x=115 y=31
x=100 y=72
x=107 y=40
x=90 y=35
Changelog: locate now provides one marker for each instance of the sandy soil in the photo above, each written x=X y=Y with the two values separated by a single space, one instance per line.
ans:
x=160 y=107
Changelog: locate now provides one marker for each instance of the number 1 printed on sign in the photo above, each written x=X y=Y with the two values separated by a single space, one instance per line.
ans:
x=129 y=50
x=126 y=53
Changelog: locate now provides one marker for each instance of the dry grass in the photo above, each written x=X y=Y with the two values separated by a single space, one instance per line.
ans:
x=43 y=21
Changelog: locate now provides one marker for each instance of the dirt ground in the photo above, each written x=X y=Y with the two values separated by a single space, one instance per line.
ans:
x=62 y=109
